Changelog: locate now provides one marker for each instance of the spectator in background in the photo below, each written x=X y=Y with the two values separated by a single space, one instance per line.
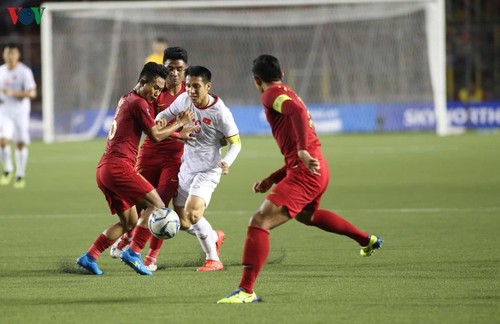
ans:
x=159 y=46
x=471 y=93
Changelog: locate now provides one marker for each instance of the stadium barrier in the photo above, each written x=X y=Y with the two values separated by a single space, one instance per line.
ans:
x=333 y=118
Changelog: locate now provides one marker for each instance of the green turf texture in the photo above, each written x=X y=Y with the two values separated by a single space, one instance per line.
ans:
x=434 y=200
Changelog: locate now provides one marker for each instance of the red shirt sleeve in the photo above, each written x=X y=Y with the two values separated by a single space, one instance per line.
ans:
x=144 y=114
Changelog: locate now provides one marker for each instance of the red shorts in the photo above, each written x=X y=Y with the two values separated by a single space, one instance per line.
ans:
x=162 y=174
x=300 y=189
x=122 y=185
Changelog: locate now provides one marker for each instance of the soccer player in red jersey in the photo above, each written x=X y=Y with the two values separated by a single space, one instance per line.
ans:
x=159 y=162
x=116 y=175
x=300 y=184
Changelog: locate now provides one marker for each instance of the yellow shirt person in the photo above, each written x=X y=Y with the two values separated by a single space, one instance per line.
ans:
x=159 y=45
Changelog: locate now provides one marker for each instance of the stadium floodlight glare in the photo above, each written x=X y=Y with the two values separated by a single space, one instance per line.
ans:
x=333 y=51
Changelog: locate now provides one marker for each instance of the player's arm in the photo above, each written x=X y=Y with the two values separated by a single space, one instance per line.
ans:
x=265 y=184
x=158 y=133
x=231 y=154
x=301 y=122
x=21 y=94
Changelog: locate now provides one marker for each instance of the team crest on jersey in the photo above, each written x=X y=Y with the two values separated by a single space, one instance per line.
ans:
x=207 y=121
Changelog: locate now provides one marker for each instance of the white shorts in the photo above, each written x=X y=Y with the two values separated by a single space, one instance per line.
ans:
x=201 y=184
x=14 y=125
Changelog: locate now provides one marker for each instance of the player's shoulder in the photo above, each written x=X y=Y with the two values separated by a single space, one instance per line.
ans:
x=274 y=92
x=23 y=67
x=218 y=103
x=133 y=99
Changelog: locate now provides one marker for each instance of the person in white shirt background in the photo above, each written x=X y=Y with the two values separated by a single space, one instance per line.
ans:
x=17 y=88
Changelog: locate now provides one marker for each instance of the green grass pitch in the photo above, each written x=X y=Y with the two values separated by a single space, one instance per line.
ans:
x=434 y=200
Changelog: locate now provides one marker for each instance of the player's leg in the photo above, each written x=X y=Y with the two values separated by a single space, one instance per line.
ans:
x=200 y=194
x=331 y=222
x=288 y=198
x=88 y=260
x=328 y=220
x=22 y=139
x=209 y=239
x=256 y=250
x=6 y=134
x=107 y=179
x=21 y=157
x=167 y=189
x=141 y=233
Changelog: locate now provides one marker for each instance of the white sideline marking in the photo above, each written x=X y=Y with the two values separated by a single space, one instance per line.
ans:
x=249 y=212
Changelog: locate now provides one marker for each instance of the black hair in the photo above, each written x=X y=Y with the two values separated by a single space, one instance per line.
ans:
x=200 y=71
x=12 y=46
x=152 y=70
x=267 y=68
x=175 y=53
x=161 y=40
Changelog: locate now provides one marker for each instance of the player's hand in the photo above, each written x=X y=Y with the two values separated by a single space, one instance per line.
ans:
x=311 y=163
x=185 y=116
x=161 y=123
x=225 y=168
x=223 y=142
x=186 y=133
x=263 y=185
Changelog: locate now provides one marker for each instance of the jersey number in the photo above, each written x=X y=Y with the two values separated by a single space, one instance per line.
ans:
x=114 y=124
x=311 y=124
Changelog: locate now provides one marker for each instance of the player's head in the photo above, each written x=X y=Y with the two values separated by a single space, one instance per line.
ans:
x=175 y=59
x=159 y=45
x=198 y=84
x=11 y=54
x=151 y=81
x=266 y=69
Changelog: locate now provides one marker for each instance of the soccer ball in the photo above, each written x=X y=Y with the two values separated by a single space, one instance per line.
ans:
x=164 y=223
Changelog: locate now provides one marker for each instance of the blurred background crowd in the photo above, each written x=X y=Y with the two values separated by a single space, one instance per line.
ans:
x=472 y=47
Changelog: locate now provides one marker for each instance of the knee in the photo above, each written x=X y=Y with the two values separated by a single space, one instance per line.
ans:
x=304 y=219
x=192 y=216
x=128 y=224
x=258 y=220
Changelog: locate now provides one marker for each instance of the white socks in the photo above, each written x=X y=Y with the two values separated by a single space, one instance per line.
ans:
x=5 y=155
x=21 y=157
x=207 y=238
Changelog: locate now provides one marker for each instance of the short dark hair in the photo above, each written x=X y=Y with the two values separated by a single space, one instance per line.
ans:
x=161 y=40
x=267 y=68
x=152 y=70
x=200 y=71
x=175 y=53
x=13 y=45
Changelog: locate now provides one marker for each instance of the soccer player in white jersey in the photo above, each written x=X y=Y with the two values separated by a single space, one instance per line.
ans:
x=17 y=88
x=202 y=163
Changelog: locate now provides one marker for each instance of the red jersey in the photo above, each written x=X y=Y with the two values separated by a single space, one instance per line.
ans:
x=133 y=116
x=169 y=148
x=290 y=123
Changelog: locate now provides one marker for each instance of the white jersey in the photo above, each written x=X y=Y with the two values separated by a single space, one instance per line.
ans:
x=216 y=122
x=20 y=78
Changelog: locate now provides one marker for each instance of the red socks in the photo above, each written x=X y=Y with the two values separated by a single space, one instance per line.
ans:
x=331 y=222
x=254 y=256
x=99 y=245
x=154 y=247
x=140 y=237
